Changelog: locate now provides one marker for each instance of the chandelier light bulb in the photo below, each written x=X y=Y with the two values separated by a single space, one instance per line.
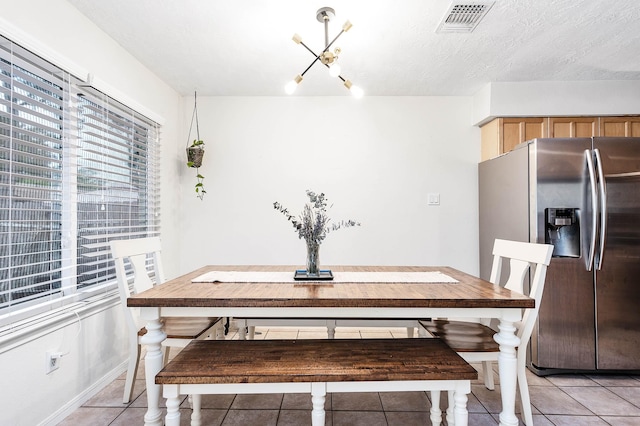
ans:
x=356 y=91
x=291 y=86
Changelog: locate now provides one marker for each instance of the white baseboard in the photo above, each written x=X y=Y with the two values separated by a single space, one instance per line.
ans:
x=88 y=393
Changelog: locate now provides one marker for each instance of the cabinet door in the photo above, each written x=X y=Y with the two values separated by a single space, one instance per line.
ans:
x=620 y=126
x=573 y=127
x=518 y=130
x=503 y=134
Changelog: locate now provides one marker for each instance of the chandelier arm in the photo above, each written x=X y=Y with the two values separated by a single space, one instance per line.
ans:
x=309 y=67
x=314 y=61
x=333 y=41
x=309 y=49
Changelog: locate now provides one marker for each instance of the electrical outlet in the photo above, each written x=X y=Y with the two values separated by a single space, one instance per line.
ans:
x=433 y=199
x=52 y=361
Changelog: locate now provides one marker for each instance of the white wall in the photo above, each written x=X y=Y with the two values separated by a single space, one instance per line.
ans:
x=93 y=350
x=28 y=395
x=376 y=159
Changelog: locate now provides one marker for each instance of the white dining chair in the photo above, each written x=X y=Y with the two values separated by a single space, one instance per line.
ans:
x=145 y=271
x=474 y=340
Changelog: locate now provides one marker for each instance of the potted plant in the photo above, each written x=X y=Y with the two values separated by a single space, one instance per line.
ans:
x=195 y=151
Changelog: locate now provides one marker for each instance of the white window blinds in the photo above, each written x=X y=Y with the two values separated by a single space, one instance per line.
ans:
x=32 y=97
x=117 y=182
x=77 y=169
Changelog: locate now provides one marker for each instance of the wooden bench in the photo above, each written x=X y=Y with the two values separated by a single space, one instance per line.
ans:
x=316 y=367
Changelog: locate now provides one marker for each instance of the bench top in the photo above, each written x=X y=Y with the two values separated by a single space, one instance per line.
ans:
x=315 y=360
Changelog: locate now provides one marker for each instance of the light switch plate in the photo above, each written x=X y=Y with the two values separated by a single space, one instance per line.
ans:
x=433 y=199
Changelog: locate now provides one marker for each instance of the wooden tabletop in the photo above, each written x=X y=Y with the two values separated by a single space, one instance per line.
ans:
x=468 y=292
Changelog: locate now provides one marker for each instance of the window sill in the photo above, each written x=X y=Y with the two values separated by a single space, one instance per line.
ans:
x=19 y=333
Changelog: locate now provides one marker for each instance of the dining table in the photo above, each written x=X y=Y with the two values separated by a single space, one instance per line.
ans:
x=350 y=292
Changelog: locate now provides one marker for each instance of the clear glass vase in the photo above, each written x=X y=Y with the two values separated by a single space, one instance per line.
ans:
x=313 y=259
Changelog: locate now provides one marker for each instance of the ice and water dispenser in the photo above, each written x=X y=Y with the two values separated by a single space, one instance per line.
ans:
x=563 y=231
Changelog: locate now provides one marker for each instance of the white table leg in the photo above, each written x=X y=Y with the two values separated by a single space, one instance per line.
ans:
x=318 y=395
x=508 y=369
x=153 y=364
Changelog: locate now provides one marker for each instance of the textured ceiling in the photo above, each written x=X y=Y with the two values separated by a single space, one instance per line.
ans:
x=244 y=47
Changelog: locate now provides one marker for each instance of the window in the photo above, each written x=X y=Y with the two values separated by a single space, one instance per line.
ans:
x=77 y=169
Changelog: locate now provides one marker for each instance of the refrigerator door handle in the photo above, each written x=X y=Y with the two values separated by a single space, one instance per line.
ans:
x=594 y=208
x=603 y=208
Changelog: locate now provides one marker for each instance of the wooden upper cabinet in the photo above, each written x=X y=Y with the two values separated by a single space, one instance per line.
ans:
x=501 y=135
x=518 y=130
x=573 y=127
x=620 y=126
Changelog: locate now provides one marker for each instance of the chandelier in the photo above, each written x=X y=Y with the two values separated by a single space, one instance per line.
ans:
x=327 y=57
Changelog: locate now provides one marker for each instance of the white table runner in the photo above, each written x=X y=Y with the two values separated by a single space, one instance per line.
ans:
x=340 y=277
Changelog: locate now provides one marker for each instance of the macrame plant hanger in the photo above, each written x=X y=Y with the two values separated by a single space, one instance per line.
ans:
x=195 y=149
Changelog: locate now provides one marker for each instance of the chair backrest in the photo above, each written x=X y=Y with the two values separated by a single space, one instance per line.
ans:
x=137 y=252
x=523 y=258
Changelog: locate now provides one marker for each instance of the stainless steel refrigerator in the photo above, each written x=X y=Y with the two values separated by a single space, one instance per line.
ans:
x=583 y=196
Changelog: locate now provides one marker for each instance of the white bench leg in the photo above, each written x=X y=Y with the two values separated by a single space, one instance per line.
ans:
x=436 y=413
x=196 y=410
x=173 y=405
x=451 y=420
x=318 y=395
x=460 y=414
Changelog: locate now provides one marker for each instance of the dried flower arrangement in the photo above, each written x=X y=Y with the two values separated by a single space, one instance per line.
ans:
x=313 y=225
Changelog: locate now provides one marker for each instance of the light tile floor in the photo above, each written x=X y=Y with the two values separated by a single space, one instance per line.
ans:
x=562 y=400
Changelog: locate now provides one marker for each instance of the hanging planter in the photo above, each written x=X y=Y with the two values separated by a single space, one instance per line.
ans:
x=195 y=151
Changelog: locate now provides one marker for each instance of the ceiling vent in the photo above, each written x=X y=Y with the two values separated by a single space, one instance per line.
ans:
x=464 y=17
